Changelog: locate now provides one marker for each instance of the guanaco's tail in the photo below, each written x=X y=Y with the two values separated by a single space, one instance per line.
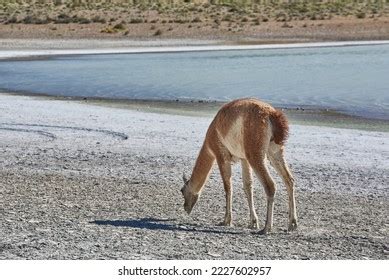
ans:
x=280 y=127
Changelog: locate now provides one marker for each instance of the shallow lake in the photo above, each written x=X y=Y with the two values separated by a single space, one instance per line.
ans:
x=352 y=79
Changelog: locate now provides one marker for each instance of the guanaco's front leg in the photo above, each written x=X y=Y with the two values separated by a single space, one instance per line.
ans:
x=248 y=189
x=225 y=172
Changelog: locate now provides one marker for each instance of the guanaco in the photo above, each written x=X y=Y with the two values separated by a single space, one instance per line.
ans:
x=251 y=131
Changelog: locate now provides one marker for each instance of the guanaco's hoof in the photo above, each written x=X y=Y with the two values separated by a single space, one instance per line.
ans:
x=292 y=226
x=264 y=231
x=254 y=225
x=224 y=224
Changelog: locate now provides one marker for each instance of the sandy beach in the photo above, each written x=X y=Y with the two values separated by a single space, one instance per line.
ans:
x=81 y=180
x=38 y=48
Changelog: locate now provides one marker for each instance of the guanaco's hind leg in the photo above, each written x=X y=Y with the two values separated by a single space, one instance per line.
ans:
x=248 y=189
x=277 y=160
x=263 y=175
x=225 y=172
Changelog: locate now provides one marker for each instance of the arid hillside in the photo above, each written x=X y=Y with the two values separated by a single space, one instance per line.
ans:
x=236 y=20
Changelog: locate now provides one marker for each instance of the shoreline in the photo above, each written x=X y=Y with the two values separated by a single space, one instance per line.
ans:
x=31 y=48
x=301 y=115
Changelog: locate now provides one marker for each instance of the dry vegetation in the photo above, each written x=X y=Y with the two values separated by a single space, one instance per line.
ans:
x=141 y=18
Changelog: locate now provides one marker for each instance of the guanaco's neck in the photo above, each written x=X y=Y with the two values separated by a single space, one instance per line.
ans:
x=201 y=169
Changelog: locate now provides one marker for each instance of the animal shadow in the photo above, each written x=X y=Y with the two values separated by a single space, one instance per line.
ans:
x=161 y=224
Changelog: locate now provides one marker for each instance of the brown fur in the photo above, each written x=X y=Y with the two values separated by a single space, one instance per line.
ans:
x=202 y=168
x=230 y=111
x=280 y=127
x=252 y=131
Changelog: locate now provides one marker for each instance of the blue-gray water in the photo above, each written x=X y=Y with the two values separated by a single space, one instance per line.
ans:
x=354 y=79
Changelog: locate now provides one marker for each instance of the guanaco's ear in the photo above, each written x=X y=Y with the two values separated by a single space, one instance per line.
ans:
x=184 y=178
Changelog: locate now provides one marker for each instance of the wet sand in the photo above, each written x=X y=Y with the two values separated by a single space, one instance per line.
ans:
x=302 y=115
x=11 y=49
x=82 y=180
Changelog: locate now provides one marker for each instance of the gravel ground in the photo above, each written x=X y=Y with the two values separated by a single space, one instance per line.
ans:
x=79 y=181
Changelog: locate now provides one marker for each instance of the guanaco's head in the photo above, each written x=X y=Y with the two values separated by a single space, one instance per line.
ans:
x=189 y=197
